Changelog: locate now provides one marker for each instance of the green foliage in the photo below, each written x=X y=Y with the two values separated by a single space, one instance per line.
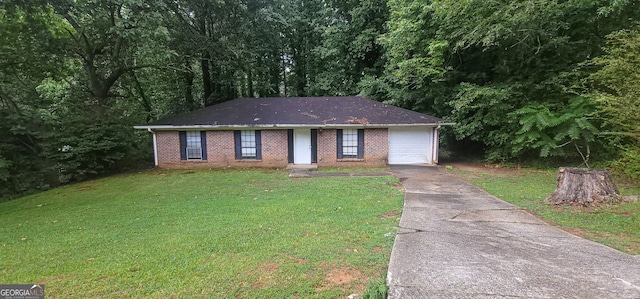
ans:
x=376 y=289
x=551 y=132
x=617 y=83
x=616 y=90
x=481 y=112
x=81 y=141
x=30 y=42
x=493 y=67
x=348 y=51
x=416 y=58
x=506 y=72
x=628 y=163
x=22 y=168
x=81 y=151
x=76 y=75
x=68 y=81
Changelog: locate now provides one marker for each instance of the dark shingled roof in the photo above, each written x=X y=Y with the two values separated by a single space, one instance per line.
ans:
x=301 y=111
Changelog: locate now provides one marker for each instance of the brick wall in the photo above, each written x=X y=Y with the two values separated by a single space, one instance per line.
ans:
x=274 y=149
x=376 y=149
x=168 y=147
x=221 y=150
x=377 y=146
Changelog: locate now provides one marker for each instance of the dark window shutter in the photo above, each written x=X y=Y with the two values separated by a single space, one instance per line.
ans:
x=183 y=145
x=258 y=144
x=238 y=144
x=314 y=145
x=203 y=142
x=360 y=143
x=290 y=145
x=339 y=143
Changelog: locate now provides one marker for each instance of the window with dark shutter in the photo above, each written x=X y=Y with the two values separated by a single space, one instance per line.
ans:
x=339 y=143
x=248 y=144
x=203 y=143
x=258 y=139
x=314 y=145
x=290 y=145
x=194 y=145
x=360 y=143
x=350 y=143
x=183 y=145
x=238 y=144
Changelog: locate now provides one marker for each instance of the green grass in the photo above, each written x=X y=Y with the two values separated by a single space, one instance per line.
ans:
x=617 y=226
x=223 y=234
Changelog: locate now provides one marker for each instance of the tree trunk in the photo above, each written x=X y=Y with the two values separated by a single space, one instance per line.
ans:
x=189 y=76
x=585 y=187
x=250 y=80
x=206 y=78
x=146 y=103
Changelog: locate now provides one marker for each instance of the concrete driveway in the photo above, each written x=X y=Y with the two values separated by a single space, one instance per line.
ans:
x=457 y=241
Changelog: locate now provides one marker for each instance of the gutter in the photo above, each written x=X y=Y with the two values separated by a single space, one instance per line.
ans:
x=220 y=127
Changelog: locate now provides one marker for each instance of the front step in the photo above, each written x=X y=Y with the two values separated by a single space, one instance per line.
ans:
x=307 y=167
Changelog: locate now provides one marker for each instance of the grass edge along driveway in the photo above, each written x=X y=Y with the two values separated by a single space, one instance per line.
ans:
x=202 y=233
x=617 y=226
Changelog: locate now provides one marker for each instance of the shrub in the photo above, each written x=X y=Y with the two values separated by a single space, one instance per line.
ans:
x=629 y=163
x=376 y=289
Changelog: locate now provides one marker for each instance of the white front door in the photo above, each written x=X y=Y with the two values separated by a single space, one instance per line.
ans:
x=302 y=146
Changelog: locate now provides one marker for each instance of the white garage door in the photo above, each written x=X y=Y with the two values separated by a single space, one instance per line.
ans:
x=410 y=145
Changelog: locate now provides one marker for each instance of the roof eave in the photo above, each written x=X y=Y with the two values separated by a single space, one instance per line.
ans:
x=221 y=127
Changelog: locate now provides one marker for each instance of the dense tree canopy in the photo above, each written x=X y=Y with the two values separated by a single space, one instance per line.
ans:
x=520 y=78
x=77 y=75
x=499 y=68
x=617 y=92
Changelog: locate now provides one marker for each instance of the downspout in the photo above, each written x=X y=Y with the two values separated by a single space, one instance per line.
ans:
x=435 y=144
x=155 y=147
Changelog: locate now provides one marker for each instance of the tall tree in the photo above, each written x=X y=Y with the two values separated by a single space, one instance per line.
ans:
x=76 y=74
x=349 y=50
x=263 y=48
x=30 y=50
x=107 y=38
x=479 y=62
x=616 y=88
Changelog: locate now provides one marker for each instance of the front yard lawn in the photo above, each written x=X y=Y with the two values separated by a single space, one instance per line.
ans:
x=617 y=226
x=203 y=233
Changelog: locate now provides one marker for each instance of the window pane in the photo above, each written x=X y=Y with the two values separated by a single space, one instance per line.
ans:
x=350 y=143
x=194 y=145
x=248 y=143
x=248 y=152
x=194 y=153
x=193 y=139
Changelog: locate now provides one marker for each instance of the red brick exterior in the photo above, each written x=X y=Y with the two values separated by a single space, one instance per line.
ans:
x=221 y=150
x=376 y=149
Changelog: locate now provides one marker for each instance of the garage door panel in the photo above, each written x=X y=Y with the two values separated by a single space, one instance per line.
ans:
x=410 y=145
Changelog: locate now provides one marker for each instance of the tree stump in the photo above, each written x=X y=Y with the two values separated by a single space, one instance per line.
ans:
x=585 y=187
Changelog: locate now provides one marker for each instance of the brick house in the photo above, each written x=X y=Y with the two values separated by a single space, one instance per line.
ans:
x=277 y=132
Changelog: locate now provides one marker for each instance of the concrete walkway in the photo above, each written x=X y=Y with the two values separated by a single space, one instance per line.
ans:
x=305 y=171
x=457 y=241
